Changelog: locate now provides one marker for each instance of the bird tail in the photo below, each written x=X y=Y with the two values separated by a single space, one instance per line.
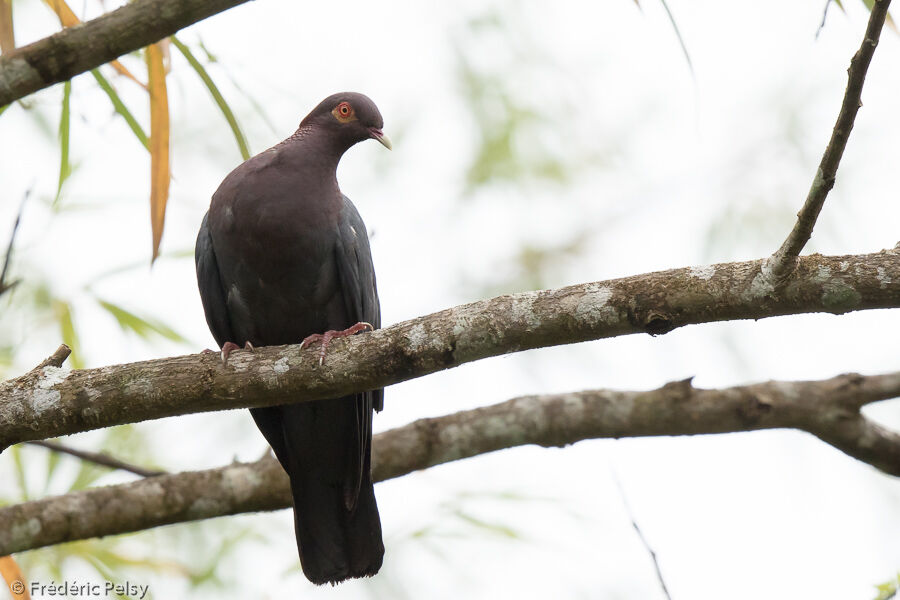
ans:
x=337 y=523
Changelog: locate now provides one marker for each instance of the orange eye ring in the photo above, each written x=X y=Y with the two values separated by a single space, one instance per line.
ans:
x=343 y=112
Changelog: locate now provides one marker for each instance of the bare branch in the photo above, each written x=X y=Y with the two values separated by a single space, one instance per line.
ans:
x=4 y=286
x=53 y=402
x=84 y=47
x=98 y=458
x=781 y=264
x=640 y=534
x=56 y=359
x=828 y=409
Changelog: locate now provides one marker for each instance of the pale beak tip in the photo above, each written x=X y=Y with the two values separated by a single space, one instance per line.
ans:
x=382 y=139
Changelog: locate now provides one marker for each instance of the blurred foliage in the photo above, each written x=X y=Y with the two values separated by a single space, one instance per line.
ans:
x=760 y=181
x=192 y=553
x=888 y=589
x=684 y=50
x=523 y=138
x=868 y=4
x=158 y=67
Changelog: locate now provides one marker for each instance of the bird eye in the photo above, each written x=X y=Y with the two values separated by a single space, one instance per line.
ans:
x=343 y=112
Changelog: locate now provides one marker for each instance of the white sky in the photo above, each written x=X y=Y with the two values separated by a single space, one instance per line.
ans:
x=764 y=514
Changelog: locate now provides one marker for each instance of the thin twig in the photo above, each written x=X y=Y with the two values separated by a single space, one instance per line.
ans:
x=782 y=263
x=99 y=458
x=824 y=16
x=4 y=287
x=628 y=511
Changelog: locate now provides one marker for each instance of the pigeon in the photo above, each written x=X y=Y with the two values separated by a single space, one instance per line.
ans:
x=283 y=257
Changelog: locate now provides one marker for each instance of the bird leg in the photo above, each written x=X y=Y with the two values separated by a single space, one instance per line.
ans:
x=329 y=335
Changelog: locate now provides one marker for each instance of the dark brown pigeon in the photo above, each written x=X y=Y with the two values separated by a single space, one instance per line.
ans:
x=283 y=257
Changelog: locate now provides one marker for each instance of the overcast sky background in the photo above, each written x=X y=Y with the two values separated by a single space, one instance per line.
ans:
x=662 y=168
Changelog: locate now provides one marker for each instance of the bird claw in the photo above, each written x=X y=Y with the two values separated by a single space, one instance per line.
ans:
x=229 y=347
x=325 y=338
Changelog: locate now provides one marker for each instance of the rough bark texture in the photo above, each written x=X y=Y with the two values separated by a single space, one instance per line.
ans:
x=829 y=409
x=50 y=401
x=84 y=47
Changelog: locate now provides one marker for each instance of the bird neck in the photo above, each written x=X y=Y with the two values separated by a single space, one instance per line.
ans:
x=316 y=145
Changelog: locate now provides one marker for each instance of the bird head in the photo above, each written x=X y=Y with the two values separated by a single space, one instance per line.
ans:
x=350 y=118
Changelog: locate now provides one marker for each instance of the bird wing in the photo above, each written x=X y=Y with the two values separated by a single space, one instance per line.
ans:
x=357 y=276
x=213 y=297
x=212 y=294
x=357 y=273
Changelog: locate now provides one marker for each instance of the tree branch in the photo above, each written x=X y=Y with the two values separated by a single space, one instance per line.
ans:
x=77 y=49
x=829 y=409
x=56 y=359
x=98 y=458
x=782 y=263
x=52 y=402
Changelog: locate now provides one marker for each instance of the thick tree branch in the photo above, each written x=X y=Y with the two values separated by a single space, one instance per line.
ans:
x=828 y=409
x=780 y=264
x=52 y=402
x=84 y=47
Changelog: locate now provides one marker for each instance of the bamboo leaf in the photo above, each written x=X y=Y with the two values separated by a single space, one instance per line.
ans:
x=684 y=50
x=143 y=327
x=52 y=464
x=63 y=312
x=67 y=18
x=159 y=143
x=7 y=36
x=15 y=580
x=19 y=466
x=217 y=97
x=65 y=167
x=121 y=108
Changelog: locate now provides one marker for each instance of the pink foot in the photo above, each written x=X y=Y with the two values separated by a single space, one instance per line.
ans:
x=228 y=347
x=329 y=335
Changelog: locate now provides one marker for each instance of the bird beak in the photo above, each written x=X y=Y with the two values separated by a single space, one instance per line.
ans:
x=377 y=134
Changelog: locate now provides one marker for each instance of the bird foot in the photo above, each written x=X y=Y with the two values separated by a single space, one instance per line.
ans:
x=329 y=335
x=228 y=347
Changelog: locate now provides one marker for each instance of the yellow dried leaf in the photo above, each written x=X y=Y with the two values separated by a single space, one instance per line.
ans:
x=159 y=143
x=14 y=579
x=7 y=37
x=68 y=19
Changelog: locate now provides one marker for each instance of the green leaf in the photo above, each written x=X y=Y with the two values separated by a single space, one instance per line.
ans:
x=495 y=528
x=888 y=589
x=63 y=312
x=143 y=327
x=121 y=108
x=3 y=108
x=217 y=96
x=88 y=473
x=19 y=465
x=889 y=20
x=52 y=463
x=65 y=167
